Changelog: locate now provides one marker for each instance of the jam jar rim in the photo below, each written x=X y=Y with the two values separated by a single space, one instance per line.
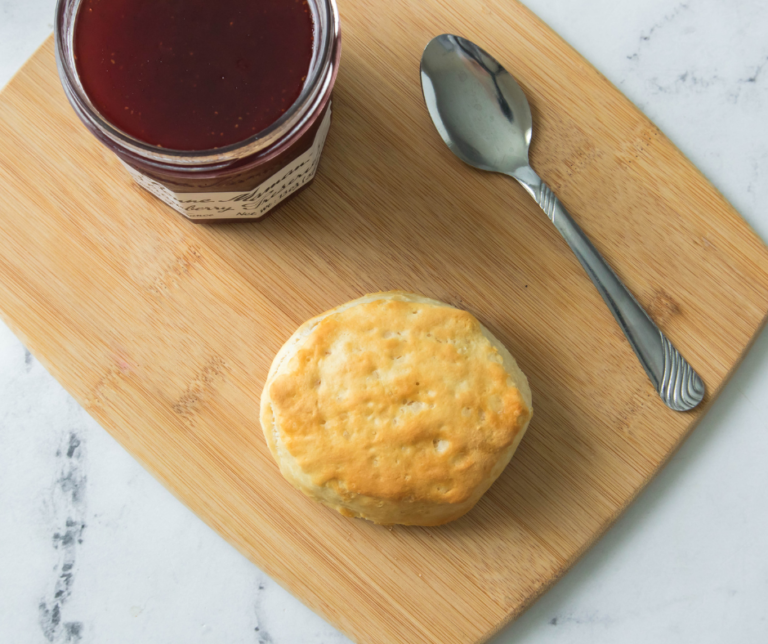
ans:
x=322 y=72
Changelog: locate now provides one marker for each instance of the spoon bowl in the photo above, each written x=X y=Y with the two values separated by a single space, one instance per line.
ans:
x=479 y=109
x=483 y=116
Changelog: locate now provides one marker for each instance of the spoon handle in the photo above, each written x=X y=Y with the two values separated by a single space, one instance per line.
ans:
x=679 y=386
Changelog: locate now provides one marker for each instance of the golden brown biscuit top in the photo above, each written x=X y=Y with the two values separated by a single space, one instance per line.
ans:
x=397 y=400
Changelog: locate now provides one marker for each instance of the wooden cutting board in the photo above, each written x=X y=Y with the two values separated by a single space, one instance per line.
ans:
x=164 y=330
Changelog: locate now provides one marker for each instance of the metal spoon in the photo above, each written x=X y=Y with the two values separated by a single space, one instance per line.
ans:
x=483 y=116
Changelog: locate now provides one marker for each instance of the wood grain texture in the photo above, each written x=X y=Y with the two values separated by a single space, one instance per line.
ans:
x=164 y=331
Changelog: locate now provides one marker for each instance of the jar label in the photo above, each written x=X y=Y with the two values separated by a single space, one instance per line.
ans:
x=251 y=204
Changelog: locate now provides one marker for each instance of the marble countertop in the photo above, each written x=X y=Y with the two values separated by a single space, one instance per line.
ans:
x=94 y=550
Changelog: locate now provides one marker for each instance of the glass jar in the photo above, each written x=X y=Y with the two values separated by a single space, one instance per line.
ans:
x=240 y=182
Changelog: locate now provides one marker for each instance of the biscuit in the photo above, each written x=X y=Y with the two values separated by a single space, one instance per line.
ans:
x=394 y=408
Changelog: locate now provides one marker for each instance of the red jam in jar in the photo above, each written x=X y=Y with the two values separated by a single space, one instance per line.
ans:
x=220 y=108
